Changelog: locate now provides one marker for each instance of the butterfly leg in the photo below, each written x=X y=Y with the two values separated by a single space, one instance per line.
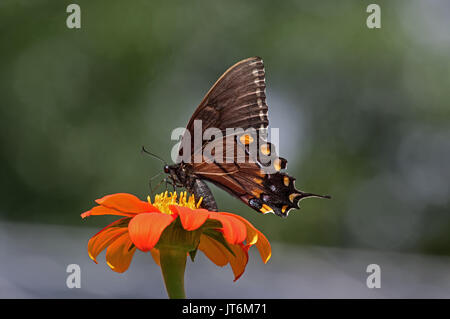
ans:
x=152 y=190
x=174 y=186
x=150 y=183
x=168 y=182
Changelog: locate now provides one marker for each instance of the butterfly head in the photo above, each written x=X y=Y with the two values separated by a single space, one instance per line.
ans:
x=177 y=173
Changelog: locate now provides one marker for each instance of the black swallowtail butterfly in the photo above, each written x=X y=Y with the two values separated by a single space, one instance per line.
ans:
x=237 y=100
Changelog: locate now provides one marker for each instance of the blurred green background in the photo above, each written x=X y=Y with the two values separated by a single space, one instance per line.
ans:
x=363 y=114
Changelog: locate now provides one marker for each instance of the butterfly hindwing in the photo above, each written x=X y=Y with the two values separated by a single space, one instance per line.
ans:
x=262 y=187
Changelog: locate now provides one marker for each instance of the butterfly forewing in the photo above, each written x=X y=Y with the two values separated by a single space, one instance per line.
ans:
x=237 y=99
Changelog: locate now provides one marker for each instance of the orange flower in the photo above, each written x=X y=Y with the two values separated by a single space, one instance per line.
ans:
x=224 y=238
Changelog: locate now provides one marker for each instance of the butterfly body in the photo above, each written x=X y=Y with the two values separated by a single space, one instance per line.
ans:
x=240 y=161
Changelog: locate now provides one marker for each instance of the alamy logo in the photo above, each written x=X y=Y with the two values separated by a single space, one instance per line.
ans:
x=374 y=279
x=374 y=19
x=74 y=278
x=73 y=21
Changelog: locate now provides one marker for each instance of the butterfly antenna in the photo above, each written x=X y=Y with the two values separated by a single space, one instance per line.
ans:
x=153 y=155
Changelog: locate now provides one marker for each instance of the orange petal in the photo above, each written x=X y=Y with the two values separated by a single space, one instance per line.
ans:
x=191 y=219
x=252 y=232
x=213 y=250
x=234 y=231
x=219 y=255
x=239 y=261
x=105 y=237
x=254 y=236
x=126 y=203
x=155 y=255
x=120 y=253
x=101 y=210
x=145 y=229
x=264 y=248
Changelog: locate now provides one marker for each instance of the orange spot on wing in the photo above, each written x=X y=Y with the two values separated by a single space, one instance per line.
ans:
x=266 y=209
x=257 y=192
x=246 y=139
x=293 y=196
x=277 y=164
x=258 y=181
x=265 y=149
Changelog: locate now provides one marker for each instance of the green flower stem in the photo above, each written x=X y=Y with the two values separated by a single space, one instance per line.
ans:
x=173 y=265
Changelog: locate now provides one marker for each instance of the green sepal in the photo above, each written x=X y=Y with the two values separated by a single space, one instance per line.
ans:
x=193 y=253
x=214 y=234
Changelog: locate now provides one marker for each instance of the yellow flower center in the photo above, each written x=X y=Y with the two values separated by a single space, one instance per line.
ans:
x=164 y=200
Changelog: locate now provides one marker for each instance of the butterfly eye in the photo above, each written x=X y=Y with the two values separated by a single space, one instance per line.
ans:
x=166 y=169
